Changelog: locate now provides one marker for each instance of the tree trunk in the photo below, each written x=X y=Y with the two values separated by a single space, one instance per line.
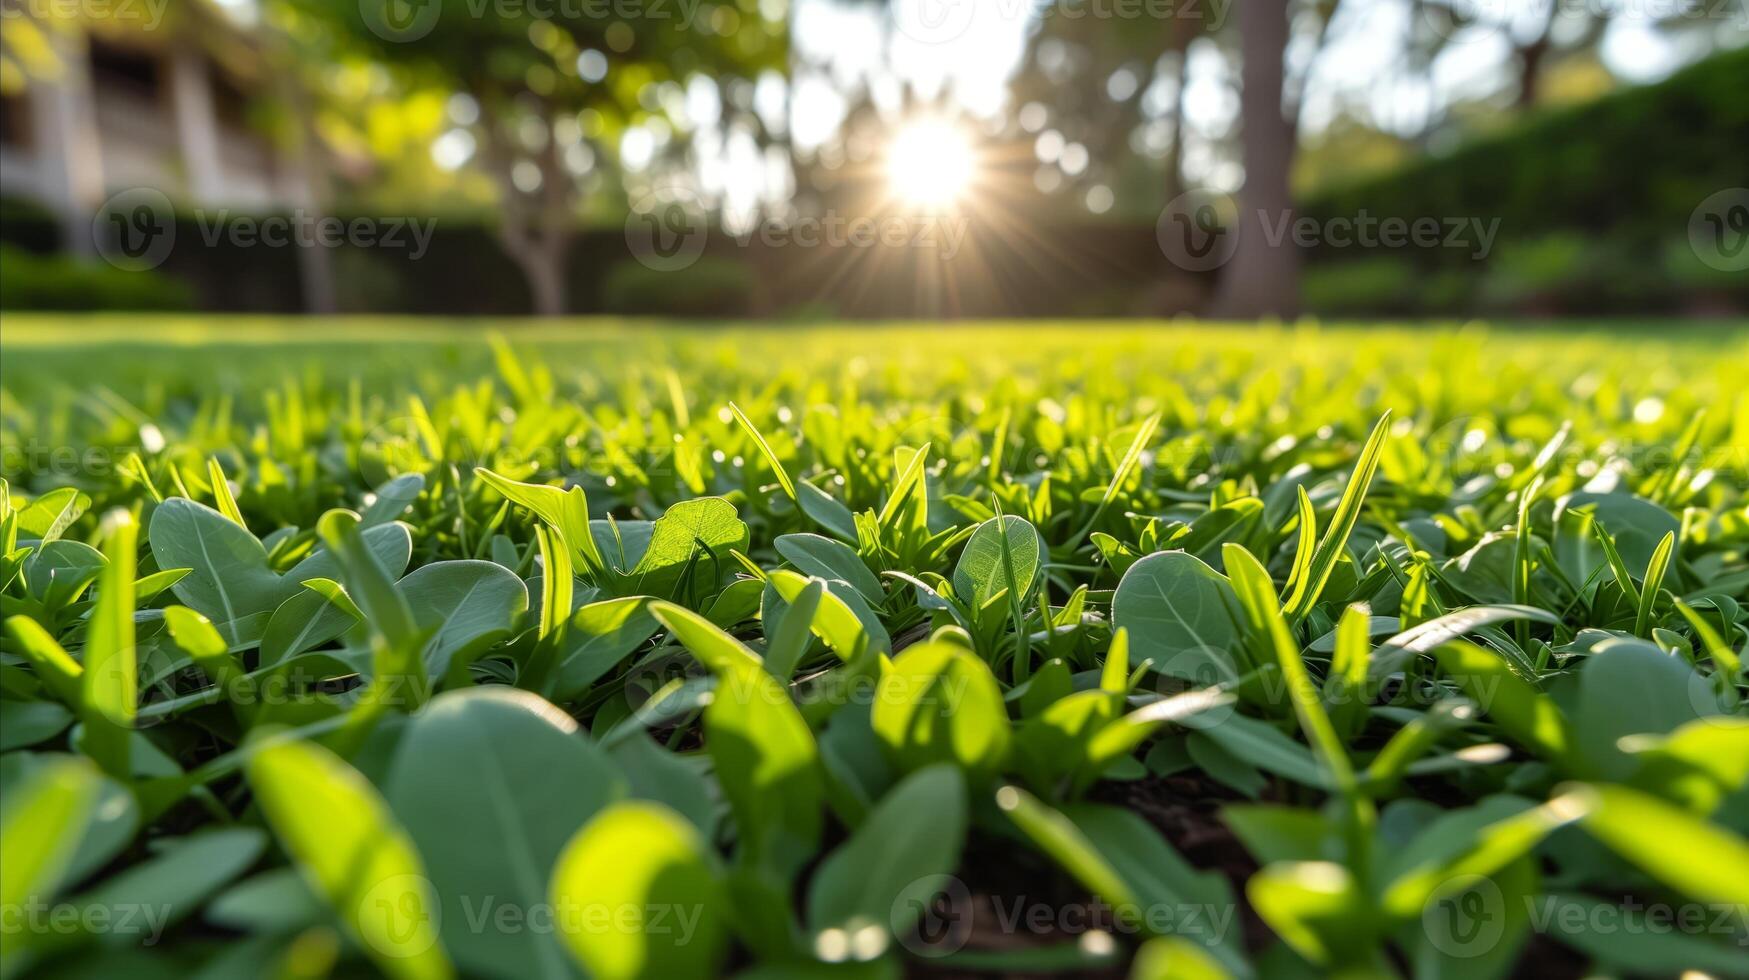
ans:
x=316 y=263
x=304 y=157
x=1263 y=277
x=1174 y=163
x=535 y=229
x=543 y=264
x=316 y=278
x=1530 y=72
x=1531 y=58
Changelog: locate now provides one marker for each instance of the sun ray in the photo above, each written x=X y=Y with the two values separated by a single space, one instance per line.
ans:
x=930 y=164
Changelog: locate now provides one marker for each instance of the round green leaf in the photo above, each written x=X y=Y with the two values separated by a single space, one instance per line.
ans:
x=1178 y=612
x=490 y=783
x=635 y=896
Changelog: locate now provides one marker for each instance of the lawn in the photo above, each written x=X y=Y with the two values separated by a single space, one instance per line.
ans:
x=620 y=649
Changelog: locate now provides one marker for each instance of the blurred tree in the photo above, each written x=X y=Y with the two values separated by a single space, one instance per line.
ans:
x=301 y=57
x=27 y=46
x=1095 y=76
x=550 y=91
x=1536 y=30
x=1263 y=276
x=1087 y=78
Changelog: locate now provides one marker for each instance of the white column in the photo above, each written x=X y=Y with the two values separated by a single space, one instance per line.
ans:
x=69 y=156
x=197 y=132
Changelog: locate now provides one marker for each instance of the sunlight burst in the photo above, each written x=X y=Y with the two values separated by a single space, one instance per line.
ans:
x=930 y=164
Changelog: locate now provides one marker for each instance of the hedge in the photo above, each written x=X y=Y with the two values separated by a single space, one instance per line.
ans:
x=1594 y=204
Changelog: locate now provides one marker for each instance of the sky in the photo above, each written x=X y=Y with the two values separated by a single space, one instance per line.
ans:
x=971 y=47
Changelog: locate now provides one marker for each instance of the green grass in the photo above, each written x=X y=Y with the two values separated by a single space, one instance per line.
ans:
x=363 y=647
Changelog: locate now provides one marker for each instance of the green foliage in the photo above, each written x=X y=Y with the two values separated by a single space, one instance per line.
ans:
x=643 y=656
x=349 y=848
x=711 y=287
x=937 y=702
x=1373 y=286
x=29 y=281
x=456 y=765
x=645 y=898
x=44 y=818
x=1592 y=203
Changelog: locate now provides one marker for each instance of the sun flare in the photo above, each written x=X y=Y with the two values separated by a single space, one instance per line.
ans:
x=930 y=164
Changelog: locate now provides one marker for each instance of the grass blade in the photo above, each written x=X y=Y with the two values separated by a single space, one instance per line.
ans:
x=111 y=676
x=1653 y=582
x=1341 y=524
x=747 y=426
